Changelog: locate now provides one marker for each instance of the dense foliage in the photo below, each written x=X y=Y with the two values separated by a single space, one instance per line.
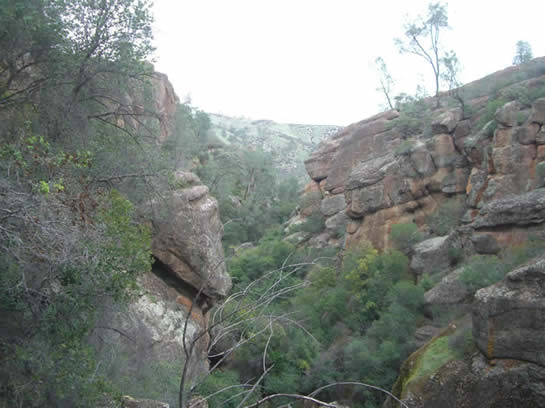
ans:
x=78 y=150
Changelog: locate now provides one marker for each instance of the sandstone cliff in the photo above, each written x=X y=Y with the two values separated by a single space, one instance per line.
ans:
x=488 y=157
x=376 y=173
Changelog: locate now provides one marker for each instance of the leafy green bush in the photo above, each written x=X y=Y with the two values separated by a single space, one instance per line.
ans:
x=414 y=115
x=219 y=385
x=481 y=271
x=490 y=113
x=484 y=270
x=313 y=224
x=404 y=148
x=404 y=236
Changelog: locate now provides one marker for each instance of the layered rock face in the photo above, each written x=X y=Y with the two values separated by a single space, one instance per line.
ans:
x=509 y=317
x=187 y=233
x=376 y=174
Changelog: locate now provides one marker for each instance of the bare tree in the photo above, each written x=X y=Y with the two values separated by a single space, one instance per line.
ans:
x=250 y=307
x=385 y=79
x=422 y=38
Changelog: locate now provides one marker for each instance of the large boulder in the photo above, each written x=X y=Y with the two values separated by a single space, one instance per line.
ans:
x=430 y=256
x=507 y=114
x=331 y=205
x=446 y=122
x=186 y=238
x=448 y=295
x=523 y=209
x=538 y=111
x=509 y=317
x=473 y=383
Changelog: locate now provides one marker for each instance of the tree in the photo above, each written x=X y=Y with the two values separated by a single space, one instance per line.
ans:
x=422 y=39
x=450 y=76
x=523 y=53
x=386 y=80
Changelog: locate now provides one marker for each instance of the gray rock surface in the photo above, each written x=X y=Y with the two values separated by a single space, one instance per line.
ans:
x=186 y=238
x=485 y=244
x=509 y=317
x=508 y=384
x=446 y=122
x=430 y=256
x=538 y=111
x=332 y=205
x=523 y=209
x=507 y=114
x=337 y=224
x=449 y=291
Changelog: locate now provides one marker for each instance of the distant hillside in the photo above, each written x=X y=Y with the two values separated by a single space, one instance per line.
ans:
x=289 y=144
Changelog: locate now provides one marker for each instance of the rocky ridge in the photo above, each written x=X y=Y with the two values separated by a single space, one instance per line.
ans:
x=488 y=158
x=372 y=174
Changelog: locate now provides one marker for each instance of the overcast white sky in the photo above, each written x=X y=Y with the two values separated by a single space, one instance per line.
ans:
x=311 y=61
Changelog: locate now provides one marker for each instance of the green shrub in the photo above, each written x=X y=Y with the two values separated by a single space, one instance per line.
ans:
x=311 y=199
x=490 y=113
x=414 y=115
x=221 y=380
x=404 y=148
x=482 y=271
x=313 y=224
x=404 y=236
x=522 y=117
x=425 y=282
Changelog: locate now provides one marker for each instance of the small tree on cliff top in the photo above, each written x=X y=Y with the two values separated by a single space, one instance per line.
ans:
x=523 y=53
x=422 y=39
x=386 y=81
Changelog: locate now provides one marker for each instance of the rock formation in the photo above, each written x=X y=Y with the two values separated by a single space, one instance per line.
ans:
x=508 y=367
x=385 y=174
x=509 y=317
x=489 y=157
x=188 y=276
x=189 y=273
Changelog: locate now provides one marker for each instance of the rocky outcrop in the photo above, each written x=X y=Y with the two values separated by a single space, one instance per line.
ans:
x=430 y=256
x=474 y=383
x=166 y=103
x=501 y=364
x=187 y=277
x=448 y=296
x=509 y=317
x=186 y=239
x=387 y=175
x=520 y=210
